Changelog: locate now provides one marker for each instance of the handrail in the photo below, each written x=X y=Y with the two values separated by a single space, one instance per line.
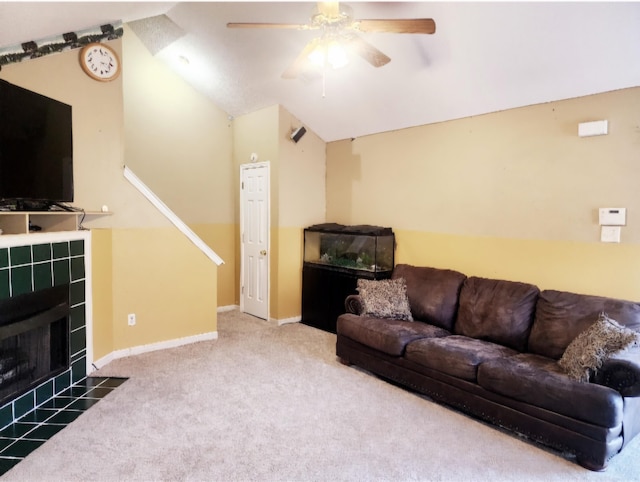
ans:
x=171 y=216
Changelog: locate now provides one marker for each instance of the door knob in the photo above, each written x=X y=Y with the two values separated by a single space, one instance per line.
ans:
x=263 y=252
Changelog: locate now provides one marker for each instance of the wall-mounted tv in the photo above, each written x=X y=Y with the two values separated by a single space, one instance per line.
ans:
x=36 y=149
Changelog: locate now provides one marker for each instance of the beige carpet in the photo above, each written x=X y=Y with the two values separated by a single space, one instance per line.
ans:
x=271 y=403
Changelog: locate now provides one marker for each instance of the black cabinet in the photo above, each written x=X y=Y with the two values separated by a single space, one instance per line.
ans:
x=335 y=256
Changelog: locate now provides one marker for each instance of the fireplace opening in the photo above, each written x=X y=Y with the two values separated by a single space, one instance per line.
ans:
x=34 y=340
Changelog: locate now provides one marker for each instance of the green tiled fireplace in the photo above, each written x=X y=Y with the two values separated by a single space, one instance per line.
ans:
x=34 y=267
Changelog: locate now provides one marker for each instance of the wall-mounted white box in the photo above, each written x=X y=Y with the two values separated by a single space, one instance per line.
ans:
x=610 y=234
x=612 y=216
x=595 y=128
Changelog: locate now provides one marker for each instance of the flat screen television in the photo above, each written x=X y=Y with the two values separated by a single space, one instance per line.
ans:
x=36 y=149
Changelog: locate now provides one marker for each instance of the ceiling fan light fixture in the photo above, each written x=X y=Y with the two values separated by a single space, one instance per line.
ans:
x=330 y=53
x=331 y=14
x=339 y=40
x=317 y=55
x=336 y=55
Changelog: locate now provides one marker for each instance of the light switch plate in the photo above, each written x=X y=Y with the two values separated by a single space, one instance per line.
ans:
x=610 y=234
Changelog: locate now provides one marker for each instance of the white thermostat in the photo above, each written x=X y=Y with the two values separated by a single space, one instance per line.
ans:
x=612 y=216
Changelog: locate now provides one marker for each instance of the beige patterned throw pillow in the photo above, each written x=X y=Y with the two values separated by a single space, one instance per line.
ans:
x=591 y=348
x=385 y=298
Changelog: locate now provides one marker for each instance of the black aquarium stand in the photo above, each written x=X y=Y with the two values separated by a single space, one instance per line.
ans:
x=335 y=257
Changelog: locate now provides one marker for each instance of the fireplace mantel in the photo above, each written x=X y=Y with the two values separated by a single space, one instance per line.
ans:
x=24 y=222
x=10 y=240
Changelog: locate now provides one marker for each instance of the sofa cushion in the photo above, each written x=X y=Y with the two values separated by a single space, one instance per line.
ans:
x=496 y=310
x=388 y=336
x=561 y=316
x=455 y=355
x=433 y=293
x=540 y=381
x=591 y=348
x=385 y=298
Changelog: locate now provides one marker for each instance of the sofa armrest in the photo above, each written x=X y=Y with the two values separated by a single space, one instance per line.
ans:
x=353 y=304
x=622 y=373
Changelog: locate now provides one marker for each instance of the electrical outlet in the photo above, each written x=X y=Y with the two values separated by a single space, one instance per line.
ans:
x=131 y=319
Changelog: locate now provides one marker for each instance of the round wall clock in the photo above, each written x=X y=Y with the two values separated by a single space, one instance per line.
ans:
x=100 y=62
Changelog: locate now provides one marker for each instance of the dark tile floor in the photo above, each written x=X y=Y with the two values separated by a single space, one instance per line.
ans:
x=29 y=432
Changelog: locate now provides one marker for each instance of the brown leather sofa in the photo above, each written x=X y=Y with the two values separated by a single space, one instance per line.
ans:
x=490 y=348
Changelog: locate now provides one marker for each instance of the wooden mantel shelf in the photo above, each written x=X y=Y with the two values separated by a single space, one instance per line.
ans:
x=25 y=222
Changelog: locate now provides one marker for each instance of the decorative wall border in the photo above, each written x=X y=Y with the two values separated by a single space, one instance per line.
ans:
x=34 y=49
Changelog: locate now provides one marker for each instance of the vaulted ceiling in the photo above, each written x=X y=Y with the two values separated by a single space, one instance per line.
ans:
x=483 y=57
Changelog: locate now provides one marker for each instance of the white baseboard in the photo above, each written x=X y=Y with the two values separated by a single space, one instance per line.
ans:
x=162 y=345
x=295 y=319
x=284 y=321
x=104 y=361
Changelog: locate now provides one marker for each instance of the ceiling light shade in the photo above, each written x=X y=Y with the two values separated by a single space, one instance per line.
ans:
x=317 y=55
x=329 y=52
x=336 y=55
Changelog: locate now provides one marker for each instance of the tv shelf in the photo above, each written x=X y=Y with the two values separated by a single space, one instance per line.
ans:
x=25 y=222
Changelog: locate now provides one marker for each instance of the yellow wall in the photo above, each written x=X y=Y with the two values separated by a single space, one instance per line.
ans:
x=97 y=125
x=140 y=263
x=257 y=133
x=512 y=194
x=224 y=238
x=301 y=203
x=590 y=268
x=301 y=175
x=170 y=286
x=297 y=173
x=176 y=140
x=102 y=283
x=286 y=280
x=180 y=145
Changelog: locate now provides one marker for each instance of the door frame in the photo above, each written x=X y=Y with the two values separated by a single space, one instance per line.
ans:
x=243 y=168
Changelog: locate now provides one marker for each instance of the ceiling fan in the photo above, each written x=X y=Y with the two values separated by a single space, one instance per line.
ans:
x=338 y=37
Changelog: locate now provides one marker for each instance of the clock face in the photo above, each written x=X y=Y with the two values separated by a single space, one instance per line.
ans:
x=100 y=62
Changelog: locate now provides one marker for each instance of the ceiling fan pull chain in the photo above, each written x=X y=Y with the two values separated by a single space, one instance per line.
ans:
x=324 y=78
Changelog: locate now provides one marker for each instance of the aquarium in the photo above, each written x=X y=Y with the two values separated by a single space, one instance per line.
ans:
x=364 y=248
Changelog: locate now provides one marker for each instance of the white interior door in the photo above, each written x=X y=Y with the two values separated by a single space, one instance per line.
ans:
x=254 y=238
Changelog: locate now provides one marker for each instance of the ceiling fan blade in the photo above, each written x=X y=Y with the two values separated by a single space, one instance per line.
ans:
x=367 y=51
x=414 y=25
x=301 y=63
x=271 y=25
